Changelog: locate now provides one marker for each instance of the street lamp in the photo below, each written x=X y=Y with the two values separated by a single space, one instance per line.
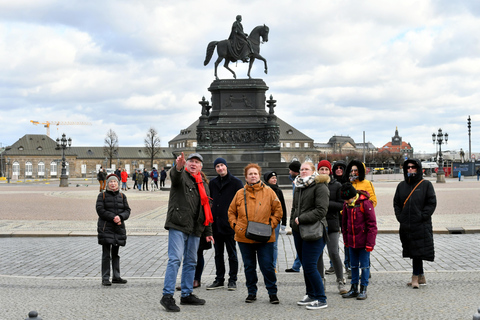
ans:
x=438 y=138
x=8 y=171
x=469 y=125
x=62 y=144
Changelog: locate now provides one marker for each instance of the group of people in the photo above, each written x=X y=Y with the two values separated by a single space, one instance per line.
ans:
x=140 y=178
x=225 y=212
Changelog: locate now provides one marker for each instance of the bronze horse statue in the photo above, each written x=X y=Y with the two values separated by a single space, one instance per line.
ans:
x=223 y=50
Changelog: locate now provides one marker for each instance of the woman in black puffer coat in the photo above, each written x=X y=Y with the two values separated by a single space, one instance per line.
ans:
x=113 y=210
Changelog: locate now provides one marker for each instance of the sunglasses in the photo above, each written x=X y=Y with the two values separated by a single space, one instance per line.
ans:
x=354 y=170
x=411 y=167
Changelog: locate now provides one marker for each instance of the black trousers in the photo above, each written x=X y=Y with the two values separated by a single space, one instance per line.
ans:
x=110 y=253
x=222 y=241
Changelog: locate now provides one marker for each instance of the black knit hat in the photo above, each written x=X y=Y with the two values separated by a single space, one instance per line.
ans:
x=268 y=175
x=347 y=191
x=295 y=166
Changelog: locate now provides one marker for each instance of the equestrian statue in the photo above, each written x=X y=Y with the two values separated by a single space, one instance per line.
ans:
x=238 y=46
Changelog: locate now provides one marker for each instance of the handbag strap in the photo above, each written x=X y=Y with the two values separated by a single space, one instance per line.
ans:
x=412 y=192
x=245 y=201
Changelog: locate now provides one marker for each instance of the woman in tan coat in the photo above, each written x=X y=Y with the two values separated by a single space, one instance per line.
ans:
x=262 y=205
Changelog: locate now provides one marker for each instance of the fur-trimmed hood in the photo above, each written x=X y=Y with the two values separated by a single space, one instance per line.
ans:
x=322 y=178
x=361 y=169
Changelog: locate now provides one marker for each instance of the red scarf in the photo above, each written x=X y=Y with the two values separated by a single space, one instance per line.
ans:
x=205 y=201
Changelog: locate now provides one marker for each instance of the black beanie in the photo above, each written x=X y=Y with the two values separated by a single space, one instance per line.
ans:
x=295 y=166
x=219 y=160
x=268 y=175
x=347 y=191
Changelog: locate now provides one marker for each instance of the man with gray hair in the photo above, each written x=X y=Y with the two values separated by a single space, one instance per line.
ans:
x=188 y=217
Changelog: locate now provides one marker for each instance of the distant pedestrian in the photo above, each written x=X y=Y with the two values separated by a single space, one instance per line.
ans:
x=459 y=175
x=163 y=176
x=101 y=177
x=124 y=176
x=414 y=203
x=478 y=174
x=359 y=229
x=139 y=179
x=134 y=179
x=112 y=209
x=154 y=176
x=145 y=179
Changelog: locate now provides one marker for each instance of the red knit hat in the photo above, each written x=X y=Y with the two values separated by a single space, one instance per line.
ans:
x=325 y=163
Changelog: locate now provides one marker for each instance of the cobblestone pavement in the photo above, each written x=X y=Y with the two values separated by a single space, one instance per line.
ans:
x=60 y=276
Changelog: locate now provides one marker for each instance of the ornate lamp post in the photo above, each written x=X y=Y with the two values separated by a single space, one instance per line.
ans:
x=439 y=138
x=62 y=144
x=469 y=125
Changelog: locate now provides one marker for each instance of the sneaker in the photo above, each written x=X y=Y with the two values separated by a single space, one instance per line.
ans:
x=192 y=300
x=330 y=271
x=306 y=301
x=274 y=299
x=168 y=303
x=216 y=285
x=119 y=280
x=251 y=298
x=291 y=270
x=232 y=286
x=282 y=230
x=106 y=283
x=317 y=305
x=341 y=286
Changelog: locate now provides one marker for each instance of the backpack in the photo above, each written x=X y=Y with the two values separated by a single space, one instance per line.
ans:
x=155 y=174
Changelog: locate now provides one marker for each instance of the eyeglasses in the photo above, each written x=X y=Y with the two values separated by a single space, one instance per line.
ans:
x=411 y=167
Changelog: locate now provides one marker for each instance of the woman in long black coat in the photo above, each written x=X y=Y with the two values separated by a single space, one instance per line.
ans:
x=112 y=209
x=414 y=204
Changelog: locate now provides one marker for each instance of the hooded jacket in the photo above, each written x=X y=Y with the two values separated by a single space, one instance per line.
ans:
x=415 y=218
x=343 y=178
x=335 y=205
x=359 y=227
x=361 y=183
x=109 y=205
x=310 y=204
x=262 y=206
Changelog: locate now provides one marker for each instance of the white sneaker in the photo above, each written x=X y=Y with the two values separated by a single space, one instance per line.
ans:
x=306 y=301
x=317 y=305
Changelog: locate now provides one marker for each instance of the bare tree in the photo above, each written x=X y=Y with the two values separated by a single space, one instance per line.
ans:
x=110 y=147
x=152 y=144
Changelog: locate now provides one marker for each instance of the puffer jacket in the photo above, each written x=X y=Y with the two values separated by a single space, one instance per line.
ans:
x=109 y=205
x=359 y=227
x=361 y=183
x=185 y=212
x=262 y=206
x=310 y=204
x=416 y=231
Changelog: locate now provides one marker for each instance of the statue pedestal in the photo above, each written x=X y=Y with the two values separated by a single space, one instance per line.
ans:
x=239 y=129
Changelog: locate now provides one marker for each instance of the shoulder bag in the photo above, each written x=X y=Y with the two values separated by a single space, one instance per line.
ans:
x=256 y=231
x=310 y=232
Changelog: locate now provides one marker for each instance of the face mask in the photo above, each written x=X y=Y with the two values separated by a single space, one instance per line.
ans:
x=353 y=178
x=411 y=174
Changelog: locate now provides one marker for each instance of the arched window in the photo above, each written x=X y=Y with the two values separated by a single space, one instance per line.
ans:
x=53 y=169
x=41 y=169
x=28 y=169
x=16 y=168
x=308 y=159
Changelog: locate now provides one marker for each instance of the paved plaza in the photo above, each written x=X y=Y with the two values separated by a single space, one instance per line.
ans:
x=50 y=262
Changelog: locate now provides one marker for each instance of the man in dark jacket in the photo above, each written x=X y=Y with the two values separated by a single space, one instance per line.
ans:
x=414 y=203
x=188 y=217
x=223 y=189
x=163 y=176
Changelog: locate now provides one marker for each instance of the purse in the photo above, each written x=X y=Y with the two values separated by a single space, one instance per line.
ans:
x=256 y=231
x=311 y=232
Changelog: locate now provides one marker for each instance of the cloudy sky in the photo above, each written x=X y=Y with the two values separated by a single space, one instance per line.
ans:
x=335 y=67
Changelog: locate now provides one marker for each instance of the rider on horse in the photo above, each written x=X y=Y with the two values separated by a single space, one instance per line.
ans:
x=240 y=47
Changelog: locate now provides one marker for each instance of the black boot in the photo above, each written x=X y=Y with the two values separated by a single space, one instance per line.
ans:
x=353 y=293
x=362 y=295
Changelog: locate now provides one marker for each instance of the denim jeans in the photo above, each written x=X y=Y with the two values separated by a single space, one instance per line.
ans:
x=264 y=252
x=296 y=264
x=222 y=242
x=308 y=253
x=275 y=246
x=360 y=258
x=180 y=245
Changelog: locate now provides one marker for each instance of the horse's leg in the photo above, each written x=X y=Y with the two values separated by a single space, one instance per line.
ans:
x=252 y=58
x=258 y=56
x=226 y=66
x=219 y=59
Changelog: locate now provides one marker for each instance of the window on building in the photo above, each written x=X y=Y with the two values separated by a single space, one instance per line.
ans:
x=287 y=144
x=41 y=169
x=305 y=145
x=194 y=144
x=297 y=144
x=16 y=168
x=28 y=168
x=281 y=144
x=53 y=168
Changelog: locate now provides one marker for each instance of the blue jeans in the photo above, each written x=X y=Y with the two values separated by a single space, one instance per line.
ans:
x=124 y=185
x=180 y=245
x=264 y=252
x=309 y=252
x=275 y=246
x=359 y=258
x=222 y=242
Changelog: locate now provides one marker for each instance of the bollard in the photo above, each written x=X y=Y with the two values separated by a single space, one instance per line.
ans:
x=33 y=315
x=476 y=316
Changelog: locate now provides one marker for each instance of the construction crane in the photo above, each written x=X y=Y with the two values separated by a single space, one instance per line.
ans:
x=47 y=124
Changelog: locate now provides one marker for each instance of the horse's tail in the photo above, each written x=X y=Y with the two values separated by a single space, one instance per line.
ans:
x=210 y=49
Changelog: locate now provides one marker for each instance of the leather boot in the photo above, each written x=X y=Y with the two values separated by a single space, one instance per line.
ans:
x=362 y=295
x=353 y=293
x=415 y=284
x=421 y=280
